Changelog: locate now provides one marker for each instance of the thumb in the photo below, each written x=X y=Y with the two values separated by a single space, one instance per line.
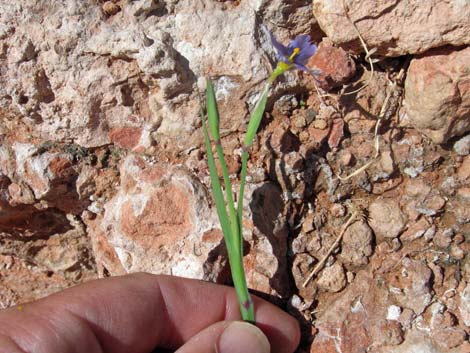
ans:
x=228 y=337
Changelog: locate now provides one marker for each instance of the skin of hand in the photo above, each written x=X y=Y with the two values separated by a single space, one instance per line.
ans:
x=138 y=313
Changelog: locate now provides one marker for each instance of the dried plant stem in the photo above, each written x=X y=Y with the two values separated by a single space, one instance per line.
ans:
x=383 y=110
x=320 y=265
x=369 y=53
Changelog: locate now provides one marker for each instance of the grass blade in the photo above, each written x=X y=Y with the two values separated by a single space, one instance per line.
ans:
x=256 y=117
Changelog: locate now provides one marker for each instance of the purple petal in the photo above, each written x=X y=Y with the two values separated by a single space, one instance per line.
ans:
x=302 y=67
x=282 y=51
x=305 y=53
x=314 y=73
x=300 y=42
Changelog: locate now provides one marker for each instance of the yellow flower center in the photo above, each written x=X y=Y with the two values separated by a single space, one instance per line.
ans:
x=295 y=52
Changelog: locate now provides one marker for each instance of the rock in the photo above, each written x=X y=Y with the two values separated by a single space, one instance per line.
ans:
x=416 y=230
x=449 y=338
x=357 y=244
x=464 y=307
x=110 y=8
x=22 y=282
x=45 y=263
x=336 y=134
x=319 y=124
x=406 y=318
x=266 y=231
x=387 y=164
x=37 y=176
x=302 y=266
x=463 y=172
x=432 y=205
x=338 y=210
x=437 y=97
x=346 y=158
x=296 y=16
x=443 y=238
x=464 y=193
x=416 y=341
x=160 y=221
x=386 y=218
x=393 y=312
x=462 y=146
x=155 y=223
x=356 y=319
x=332 y=278
x=412 y=288
x=128 y=69
x=335 y=66
x=394 y=27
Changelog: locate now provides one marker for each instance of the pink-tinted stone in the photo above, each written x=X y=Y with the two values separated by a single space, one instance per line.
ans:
x=125 y=137
x=335 y=66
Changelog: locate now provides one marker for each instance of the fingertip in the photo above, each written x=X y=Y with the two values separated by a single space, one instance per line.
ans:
x=241 y=337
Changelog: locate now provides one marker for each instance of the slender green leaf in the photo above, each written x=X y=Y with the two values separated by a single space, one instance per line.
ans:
x=213 y=118
x=217 y=189
x=240 y=197
x=256 y=117
x=212 y=110
x=232 y=233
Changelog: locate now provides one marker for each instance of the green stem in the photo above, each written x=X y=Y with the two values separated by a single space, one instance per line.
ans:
x=234 y=226
x=247 y=309
x=241 y=193
x=217 y=189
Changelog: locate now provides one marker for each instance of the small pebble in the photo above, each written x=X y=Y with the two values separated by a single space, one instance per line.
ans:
x=462 y=146
x=320 y=124
x=338 y=210
x=393 y=312
x=459 y=239
x=110 y=8
x=456 y=252
x=430 y=233
x=346 y=159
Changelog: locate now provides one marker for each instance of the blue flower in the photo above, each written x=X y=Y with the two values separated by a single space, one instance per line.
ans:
x=296 y=53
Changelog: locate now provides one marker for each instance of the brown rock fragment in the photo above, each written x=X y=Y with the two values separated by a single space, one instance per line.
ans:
x=394 y=27
x=448 y=338
x=110 y=8
x=386 y=218
x=332 y=278
x=335 y=66
x=357 y=244
x=437 y=93
x=416 y=230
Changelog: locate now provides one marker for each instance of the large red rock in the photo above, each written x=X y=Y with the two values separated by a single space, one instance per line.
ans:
x=394 y=27
x=156 y=222
x=437 y=93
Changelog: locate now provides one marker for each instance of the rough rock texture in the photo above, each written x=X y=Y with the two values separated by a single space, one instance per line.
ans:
x=386 y=218
x=332 y=278
x=127 y=77
x=367 y=317
x=462 y=146
x=334 y=65
x=437 y=93
x=357 y=244
x=395 y=27
x=159 y=221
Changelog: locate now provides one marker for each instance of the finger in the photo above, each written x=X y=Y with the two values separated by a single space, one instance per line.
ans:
x=228 y=337
x=136 y=313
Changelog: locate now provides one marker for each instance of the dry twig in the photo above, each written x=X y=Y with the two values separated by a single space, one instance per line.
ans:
x=355 y=215
x=369 y=53
x=383 y=111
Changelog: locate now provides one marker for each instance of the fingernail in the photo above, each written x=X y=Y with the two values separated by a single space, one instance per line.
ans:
x=243 y=337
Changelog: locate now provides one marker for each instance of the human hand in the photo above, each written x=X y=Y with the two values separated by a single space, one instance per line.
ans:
x=140 y=312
